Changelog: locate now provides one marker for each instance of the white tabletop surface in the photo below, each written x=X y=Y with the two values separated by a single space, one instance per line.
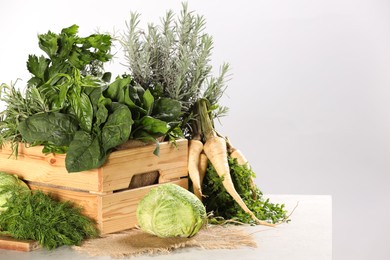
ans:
x=307 y=236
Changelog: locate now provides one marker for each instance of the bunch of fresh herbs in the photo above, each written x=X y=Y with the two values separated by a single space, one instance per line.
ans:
x=218 y=200
x=37 y=216
x=70 y=107
x=172 y=60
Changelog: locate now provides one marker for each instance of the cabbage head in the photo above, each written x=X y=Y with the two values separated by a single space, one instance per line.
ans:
x=171 y=211
x=9 y=184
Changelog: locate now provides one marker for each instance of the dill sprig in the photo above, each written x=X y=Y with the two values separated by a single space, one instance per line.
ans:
x=37 y=216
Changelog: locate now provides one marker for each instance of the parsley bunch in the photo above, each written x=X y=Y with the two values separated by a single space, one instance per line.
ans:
x=218 y=200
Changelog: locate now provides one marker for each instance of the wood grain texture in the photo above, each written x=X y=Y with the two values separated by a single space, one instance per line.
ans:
x=103 y=193
x=113 y=211
x=10 y=243
x=115 y=174
x=119 y=209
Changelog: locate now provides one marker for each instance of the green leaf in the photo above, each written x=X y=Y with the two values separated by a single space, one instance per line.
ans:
x=154 y=126
x=117 y=128
x=55 y=95
x=101 y=116
x=115 y=88
x=119 y=91
x=34 y=82
x=148 y=101
x=93 y=82
x=48 y=43
x=101 y=42
x=55 y=128
x=126 y=98
x=84 y=153
x=37 y=66
x=71 y=30
x=167 y=109
x=83 y=110
x=106 y=77
x=66 y=44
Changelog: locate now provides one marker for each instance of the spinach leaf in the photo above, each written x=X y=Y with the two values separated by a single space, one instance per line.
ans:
x=84 y=153
x=167 y=109
x=119 y=91
x=117 y=128
x=153 y=126
x=52 y=127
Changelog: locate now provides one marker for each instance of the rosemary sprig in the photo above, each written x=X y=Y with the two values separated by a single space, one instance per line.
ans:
x=19 y=106
x=173 y=59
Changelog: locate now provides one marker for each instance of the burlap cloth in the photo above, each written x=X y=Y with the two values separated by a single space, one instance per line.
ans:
x=135 y=242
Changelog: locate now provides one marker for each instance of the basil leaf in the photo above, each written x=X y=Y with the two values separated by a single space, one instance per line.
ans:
x=55 y=128
x=83 y=110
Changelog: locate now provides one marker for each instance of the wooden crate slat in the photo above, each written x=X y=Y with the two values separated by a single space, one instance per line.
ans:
x=115 y=174
x=123 y=165
x=112 y=212
x=89 y=202
x=10 y=243
x=39 y=170
x=121 y=216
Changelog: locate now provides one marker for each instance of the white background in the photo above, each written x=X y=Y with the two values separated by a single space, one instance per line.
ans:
x=309 y=94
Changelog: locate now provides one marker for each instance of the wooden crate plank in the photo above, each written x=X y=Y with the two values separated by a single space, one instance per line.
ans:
x=89 y=202
x=115 y=174
x=123 y=165
x=119 y=209
x=39 y=169
x=10 y=243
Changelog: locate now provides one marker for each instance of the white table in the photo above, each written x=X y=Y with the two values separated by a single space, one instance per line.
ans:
x=307 y=236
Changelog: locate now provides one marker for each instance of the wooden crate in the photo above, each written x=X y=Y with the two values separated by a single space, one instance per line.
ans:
x=103 y=193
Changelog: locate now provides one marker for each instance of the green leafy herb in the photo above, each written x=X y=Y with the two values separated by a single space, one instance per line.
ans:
x=19 y=107
x=37 y=216
x=172 y=60
x=222 y=204
x=67 y=51
x=85 y=152
x=53 y=128
x=117 y=128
